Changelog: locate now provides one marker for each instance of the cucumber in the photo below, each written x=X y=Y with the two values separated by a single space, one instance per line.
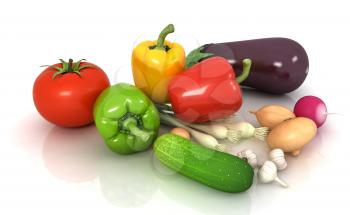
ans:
x=215 y=169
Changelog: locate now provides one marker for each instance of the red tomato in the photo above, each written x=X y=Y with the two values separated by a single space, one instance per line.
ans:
x=67 y=100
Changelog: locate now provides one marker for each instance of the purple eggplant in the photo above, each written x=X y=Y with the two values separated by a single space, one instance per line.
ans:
x=280 y=65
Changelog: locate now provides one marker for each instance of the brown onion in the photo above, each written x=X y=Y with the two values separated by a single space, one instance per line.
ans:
x=291 y=135
x=272 y=115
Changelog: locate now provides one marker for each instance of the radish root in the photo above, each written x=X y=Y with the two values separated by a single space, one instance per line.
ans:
x=261 y=133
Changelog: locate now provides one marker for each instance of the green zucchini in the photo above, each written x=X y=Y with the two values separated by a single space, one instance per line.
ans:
x=215 y=169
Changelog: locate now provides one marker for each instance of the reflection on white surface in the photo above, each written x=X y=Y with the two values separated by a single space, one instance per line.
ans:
x=200 y=197
x=72 y=154
x=79 y=155
x=127 y=181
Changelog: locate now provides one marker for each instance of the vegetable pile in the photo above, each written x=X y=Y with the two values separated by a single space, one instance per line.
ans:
x=197 y=96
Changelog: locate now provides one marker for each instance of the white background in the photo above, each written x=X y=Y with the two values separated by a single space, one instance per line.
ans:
x=50 y=170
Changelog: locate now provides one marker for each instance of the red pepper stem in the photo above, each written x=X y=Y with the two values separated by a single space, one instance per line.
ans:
x=247 y=63
x=161 y=39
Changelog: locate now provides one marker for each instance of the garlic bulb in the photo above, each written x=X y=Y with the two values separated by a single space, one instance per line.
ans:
x=250 y=156
x=268 y=173
x=277 y=156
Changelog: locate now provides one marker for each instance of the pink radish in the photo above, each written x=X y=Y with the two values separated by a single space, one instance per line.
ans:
x=313 y=108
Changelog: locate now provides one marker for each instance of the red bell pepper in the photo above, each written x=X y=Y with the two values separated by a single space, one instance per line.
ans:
x=207 y=90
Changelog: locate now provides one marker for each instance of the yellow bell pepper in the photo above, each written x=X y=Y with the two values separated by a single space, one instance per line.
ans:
x=154 y=63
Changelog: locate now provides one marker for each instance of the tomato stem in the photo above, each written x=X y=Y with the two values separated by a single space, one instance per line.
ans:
x=70 y=65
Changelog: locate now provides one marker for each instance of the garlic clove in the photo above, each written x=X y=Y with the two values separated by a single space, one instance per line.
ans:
x=240 y=155
x=253 y=163
x=252 y=160
x=247 y=152
x=268 y=173
x=276 y=153
x=277 y=156
x=250 y=156
x=280 y=163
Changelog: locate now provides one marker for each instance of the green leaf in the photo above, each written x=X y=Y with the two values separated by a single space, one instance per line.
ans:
x=57 y=68
x=78 y=73
x=195 y=56
x=77 y=64
x=86 y=66
x=57 y=73
x=62 y=61
x=64 y=65
x=53 y=67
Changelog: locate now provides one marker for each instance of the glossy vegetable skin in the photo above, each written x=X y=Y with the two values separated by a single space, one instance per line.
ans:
x=272 y=115
x=154 y=63
x=313 y=108
x=181 y=132
x=64 y=93
x=126 y=119
x=207 y=91
x=215 y=169
x=280 y=64
x=291 y=135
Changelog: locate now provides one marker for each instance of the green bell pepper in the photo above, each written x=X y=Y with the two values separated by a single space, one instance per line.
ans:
x=126 y=118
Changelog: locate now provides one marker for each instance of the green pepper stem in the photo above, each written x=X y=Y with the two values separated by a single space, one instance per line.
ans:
x=161 y=39
x=247 y=63
x=131 y=125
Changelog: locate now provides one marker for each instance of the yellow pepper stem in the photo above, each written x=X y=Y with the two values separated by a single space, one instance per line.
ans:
x=161 y=39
